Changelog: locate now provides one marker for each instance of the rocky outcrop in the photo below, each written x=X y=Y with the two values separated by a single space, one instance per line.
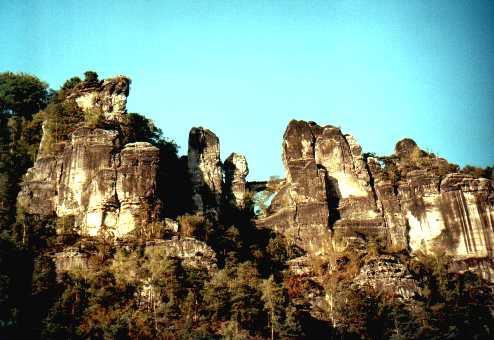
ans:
x=300 y=208
x=192 y=252
x=236 y=170
x=350 y=194
x=108 y=97
x=105 y=187
x=72 y=260
x=327 y=189
x=83 y=259
x=204 y=166
x=438 y=211
x=385 y=273
x=410 y=200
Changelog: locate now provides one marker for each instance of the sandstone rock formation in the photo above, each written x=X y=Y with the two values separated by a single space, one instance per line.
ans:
x=71 y=259
x=106 y=188
x=204 y=166
x=385 y=273
x=411 y=200
x=350 y=194
x=192 y=252
x=91 y=179
x=440 y=212
x=301 y=204
x=236 y=170
x=82 y=259
x=326 y=190
x=108 y=97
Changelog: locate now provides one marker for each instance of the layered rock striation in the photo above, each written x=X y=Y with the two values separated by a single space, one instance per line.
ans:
x=236 y=170
x=411 y=200
x=108 y=97
x=103 y=186
x=204 y=166
x=326 y=195
x=443 y=212
x=214 y=183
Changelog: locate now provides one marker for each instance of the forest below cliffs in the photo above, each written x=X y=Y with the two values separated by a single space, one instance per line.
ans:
x=189 y=274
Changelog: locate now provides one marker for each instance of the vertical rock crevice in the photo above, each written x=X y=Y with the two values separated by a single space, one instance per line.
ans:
x=83 y=175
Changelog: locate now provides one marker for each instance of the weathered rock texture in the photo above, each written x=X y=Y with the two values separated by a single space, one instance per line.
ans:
x=411 y=200
x=73 y=260
x=102 y=186
x=236 y=170
x=300 y=208
x=204 y=166
x=105 y=187
x=108 y=97
x=443 y=212
x=326 y=190
x=192 y=252
x=83 y=258
x=385 y=273
x=350 y=194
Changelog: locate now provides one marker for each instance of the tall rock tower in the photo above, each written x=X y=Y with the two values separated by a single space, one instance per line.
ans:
x=103 y=186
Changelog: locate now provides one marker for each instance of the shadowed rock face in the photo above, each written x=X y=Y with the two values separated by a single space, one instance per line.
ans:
x=105 y=187
x=386 y=273
x=204 y=168
x=236 y=170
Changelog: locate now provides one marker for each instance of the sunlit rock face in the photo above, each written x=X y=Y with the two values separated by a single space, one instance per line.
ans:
x=390 y=205
x=103 y=187
x=451 y=216
x=108 y=97
x=418 y=202
x=437 y=212
x=83 y=258
x=107 y=188
x=350 y=196
x=204 y=168
x=300 y=208
x=327 y=194
x=236 y=170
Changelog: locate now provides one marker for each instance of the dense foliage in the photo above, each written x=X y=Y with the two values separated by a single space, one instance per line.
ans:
x=134 y=292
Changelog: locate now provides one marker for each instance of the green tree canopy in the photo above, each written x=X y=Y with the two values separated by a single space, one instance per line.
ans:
x=22 y=94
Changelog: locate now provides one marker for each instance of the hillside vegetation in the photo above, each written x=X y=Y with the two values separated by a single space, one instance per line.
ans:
x=249 y=289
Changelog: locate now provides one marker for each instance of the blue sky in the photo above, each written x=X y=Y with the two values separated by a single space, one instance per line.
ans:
x=380 y=70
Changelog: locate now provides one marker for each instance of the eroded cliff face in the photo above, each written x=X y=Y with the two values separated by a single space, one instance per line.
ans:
x=213 y=183
x=326 y=196
x=108 y=97
x=204 y=166
x=443 y=212
x=416 y=201
x=300 y=208
x=105 y=187
x=83 y=259
x=236 y=170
